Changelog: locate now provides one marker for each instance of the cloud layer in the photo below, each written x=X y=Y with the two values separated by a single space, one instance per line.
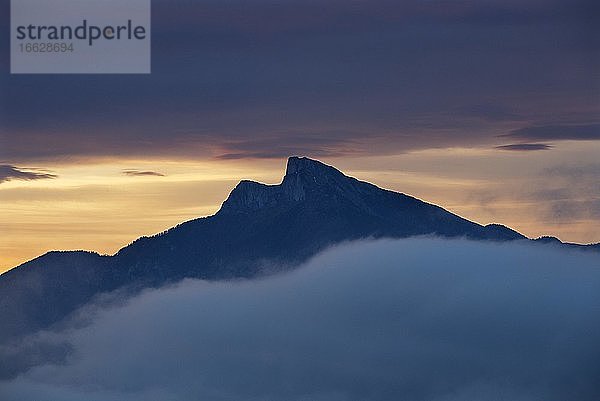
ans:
x=586 y=132
x=415 y=319
x=142 y=173
x=254 y=79
x=525 y=147
x=8 y=173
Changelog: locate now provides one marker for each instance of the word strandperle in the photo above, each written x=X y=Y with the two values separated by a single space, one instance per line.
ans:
x=84 y=31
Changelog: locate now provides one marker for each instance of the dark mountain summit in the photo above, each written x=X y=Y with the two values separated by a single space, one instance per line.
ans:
x=314 y=206
x=259 y=227
x=362 y=209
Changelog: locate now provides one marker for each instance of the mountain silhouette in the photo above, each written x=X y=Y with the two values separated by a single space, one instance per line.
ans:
x=259 y=228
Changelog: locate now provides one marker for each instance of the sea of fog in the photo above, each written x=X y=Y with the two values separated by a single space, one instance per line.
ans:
x=415 y=319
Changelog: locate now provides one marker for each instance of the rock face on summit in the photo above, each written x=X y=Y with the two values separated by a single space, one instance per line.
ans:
x=305 y=180
x=258 y=226
x=361 y=209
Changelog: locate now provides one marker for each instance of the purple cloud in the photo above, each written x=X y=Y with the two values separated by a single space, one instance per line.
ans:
x=524 y=147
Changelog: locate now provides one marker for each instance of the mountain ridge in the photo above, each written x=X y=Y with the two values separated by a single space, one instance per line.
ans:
x=315 y=206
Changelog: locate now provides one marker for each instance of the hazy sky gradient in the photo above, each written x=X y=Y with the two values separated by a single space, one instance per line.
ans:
x=490 y=108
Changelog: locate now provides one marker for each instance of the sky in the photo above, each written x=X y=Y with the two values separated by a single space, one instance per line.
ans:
x=418 y=319
x=490 y=109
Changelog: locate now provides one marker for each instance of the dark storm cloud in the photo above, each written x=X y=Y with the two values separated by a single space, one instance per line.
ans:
x=392 y=76
x=525 y=147
x=558 y=132
x=8 y=173
x=418 y=319
x=142 y=173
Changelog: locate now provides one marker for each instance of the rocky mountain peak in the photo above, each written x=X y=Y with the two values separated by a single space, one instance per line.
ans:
x=303 y=175
x=303 y=165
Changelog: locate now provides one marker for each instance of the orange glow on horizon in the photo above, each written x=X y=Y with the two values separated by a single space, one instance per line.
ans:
x=97 y=207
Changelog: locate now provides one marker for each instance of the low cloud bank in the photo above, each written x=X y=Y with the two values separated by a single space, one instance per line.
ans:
x=9 y=173
x=418 y=319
